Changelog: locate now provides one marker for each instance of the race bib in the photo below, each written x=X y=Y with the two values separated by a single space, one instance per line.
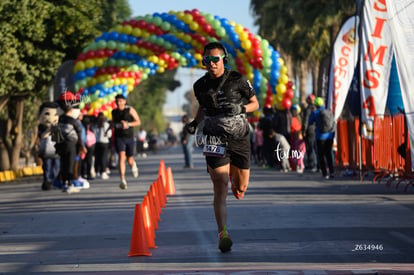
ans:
x=211 y=150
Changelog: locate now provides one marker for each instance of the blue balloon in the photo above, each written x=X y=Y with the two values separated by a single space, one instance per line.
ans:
x=123 y=38
x=113 y=36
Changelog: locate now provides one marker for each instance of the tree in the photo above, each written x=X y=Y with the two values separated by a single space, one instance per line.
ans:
x=303 y=31
x=37 y=36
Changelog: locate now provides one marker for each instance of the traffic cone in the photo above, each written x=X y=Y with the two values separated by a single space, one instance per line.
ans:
x=162 y=173
x=148 y=223
x=170 y=190
x=139 y=243
x=161 y=192
x=153 y=210
x=156 y=200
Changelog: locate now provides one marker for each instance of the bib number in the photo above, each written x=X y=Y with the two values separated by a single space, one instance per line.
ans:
x=214 y=150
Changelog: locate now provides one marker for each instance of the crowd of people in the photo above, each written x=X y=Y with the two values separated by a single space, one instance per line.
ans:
x=295 y=139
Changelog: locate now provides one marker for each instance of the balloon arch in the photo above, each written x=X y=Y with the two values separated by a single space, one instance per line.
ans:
x=118 y=60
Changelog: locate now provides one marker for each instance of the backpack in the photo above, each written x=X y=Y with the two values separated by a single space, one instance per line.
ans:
x=326 y=121
x=57 y=134
x=90 y=138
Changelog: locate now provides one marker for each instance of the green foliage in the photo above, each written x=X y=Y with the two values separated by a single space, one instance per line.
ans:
x=304 y=30
x=37 y=36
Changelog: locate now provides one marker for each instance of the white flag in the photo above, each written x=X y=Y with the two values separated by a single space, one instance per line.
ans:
x=343 y=63
x=401 y=21
x=375 y=60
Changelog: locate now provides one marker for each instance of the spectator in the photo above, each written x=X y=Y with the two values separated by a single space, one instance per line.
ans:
x=324 y=138
x=103 y=141
x=71 y=132
x=308 y=131
x=187 y=142
x=141 y=139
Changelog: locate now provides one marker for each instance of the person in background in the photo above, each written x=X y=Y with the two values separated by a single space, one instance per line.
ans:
x=295 y=128
x=141 y=138
x=324 y=140
x=224 y=97
x=308 y=131
x=72 y=144
x=103 y=141
x=90 y=142
x=300 y=148
x=187 y=142
x=124 y=118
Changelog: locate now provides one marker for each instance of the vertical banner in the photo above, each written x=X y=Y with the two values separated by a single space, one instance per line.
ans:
x=375 y=61
x=400 y=18
x=343 y=63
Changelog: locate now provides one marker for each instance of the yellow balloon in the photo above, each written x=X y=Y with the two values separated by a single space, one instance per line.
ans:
x=283 y=69
x=119 y=28
x=99 y=62
x=127 y=29
x=281 y=62
x=284 y=79
x=101 y=79
x=92 y=82
x=194 y=26
x=136 y=32
x=280 y=89
x=89 y=63
x=79 y=66
x=239 y=28
x=198 y=56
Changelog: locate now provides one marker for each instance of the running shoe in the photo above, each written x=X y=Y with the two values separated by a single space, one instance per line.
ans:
x=123 y=184
x=239 y=195
x=71 y=189
x=135 y=170
x=225 y=242
x=104 y=176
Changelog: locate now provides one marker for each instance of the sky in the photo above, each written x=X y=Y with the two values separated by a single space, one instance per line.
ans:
x=235 y=10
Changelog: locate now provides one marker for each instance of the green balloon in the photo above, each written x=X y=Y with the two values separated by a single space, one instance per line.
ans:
x=165 y=26
x=221 y=32
x=101 y=44
x=157 y=21
x=111 y=44
x=120 y=46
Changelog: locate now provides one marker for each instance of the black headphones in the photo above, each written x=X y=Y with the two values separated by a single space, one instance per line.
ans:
x=215 y=45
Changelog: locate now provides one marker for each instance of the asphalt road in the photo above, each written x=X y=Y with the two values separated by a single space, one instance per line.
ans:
x=286 y=224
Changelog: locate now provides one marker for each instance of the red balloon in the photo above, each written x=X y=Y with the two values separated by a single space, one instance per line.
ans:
x=286 y=103
x=289 y=93
x=82 y=57
x=289 y=84
x=100 y=53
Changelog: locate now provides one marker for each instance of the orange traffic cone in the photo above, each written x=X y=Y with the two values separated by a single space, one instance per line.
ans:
x=148 y=223
x=170 y=190
x=162 y=173
x=161 y=192
x=156 y=200
x=153 y=210
x=139 y=244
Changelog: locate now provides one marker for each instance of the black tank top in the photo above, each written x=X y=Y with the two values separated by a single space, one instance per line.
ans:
x=117 y=116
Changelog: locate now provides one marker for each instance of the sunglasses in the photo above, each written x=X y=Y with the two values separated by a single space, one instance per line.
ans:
x=212 y=58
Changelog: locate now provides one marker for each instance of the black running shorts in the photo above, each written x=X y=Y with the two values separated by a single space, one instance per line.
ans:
x=237 y=154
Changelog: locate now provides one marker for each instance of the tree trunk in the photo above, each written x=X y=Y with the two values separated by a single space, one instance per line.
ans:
x=14 y=138
x=303 y=72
